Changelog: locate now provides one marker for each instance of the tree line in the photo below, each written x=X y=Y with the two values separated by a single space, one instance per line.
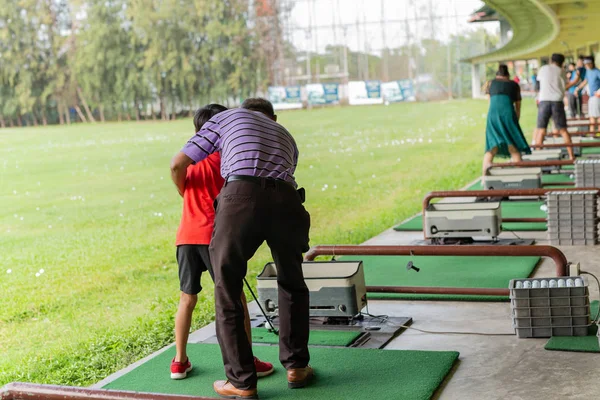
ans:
x=90 y=60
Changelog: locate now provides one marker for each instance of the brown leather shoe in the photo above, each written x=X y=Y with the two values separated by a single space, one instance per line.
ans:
x=226 y=390
x=299 y=377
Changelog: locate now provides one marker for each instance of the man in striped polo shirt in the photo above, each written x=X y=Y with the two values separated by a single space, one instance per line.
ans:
x=258 y=203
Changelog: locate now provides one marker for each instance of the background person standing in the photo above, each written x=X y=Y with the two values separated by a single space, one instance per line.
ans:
x=552 y=92
x=258 y=203
x=592 y=79
x=503 y=134
x=575 y=97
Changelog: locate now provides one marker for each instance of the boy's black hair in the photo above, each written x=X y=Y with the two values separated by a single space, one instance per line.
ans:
x=203 y=114
x=558 y=59
x=259 y=104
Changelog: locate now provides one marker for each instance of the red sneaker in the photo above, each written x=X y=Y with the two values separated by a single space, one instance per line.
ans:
x=263 y=368
x=180 y=370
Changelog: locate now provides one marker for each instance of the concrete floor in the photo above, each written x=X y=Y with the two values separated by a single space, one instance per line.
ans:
x=490 y=367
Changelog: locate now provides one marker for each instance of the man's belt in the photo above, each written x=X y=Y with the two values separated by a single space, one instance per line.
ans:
x=267 y=182
x=258 y=180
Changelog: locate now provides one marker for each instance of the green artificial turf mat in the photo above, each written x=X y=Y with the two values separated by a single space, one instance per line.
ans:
x=414 y=224
x=476 y=186
x=444 y=271
x=556 y=178
x=590 y=150
x=340 y=374
x=523 y=209
x=510 y=209
x=317 y=337
x=586 y=344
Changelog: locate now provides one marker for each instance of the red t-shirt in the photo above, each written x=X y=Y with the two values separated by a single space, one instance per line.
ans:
x=202 y=185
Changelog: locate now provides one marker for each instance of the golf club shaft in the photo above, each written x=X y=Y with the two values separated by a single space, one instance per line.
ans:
x=261 y=309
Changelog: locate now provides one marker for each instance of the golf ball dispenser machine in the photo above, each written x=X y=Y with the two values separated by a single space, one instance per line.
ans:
x=463 y=220
x=338 y=296
x=513 y=178
x=337 y=289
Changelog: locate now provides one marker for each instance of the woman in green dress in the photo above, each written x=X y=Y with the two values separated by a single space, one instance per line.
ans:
x=503 y=134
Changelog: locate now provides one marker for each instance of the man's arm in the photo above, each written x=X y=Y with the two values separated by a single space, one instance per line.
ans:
x=200 y=146
x=518 y=109
x=581 y=86
x=179 y=165
x=574 y=81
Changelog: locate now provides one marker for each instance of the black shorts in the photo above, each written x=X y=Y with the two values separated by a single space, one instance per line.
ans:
x=554 y=109
x=193 y=259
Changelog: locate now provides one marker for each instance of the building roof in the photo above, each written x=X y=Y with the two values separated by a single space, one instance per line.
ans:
x=484 y=14
x=543 y=27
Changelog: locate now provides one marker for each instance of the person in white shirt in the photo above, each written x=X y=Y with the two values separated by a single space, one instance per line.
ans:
x=552 y=81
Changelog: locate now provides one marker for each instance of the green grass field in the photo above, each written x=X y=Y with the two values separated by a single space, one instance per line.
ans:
x=88 y=214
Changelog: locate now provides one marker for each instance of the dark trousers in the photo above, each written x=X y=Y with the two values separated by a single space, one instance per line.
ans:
x=575 y=105
x=247 y=214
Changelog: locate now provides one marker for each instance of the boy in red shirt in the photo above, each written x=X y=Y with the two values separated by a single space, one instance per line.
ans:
x=202 y=185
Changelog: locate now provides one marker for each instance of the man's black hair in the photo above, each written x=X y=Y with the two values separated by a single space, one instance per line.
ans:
x=581 y=57
x=203 y=114
x=558 y=59
x=259 y=104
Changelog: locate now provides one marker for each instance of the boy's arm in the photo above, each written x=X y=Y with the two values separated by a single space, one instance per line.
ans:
x=179 y=165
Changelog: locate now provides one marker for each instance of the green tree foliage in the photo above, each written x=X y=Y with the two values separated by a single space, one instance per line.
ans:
x=89 y=60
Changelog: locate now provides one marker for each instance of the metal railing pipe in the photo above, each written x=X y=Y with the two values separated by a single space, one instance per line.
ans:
x=576 y=133
x=563 y=145
x=544 y=163
x=553 y=253
x=30 y=391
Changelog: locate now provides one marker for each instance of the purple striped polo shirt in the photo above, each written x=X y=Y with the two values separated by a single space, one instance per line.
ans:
x=250 y=144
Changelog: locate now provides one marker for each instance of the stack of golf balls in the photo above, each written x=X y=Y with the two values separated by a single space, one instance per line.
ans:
x=549 y=283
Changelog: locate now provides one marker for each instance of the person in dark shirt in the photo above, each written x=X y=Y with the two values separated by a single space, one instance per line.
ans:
x=577 y=72
x=503 y=134
x=592 y=80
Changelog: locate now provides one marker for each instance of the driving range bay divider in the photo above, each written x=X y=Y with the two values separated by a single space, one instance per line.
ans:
x=445 y=250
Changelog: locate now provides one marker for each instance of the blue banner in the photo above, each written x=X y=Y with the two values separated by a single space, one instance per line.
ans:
x=373 y=89
x=408 y=91
x=332 y=92
x=392 y=93
x=326 y=93
x=285 y=97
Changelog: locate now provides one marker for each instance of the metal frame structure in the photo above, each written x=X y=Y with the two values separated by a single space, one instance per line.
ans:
x=30 y=391
x=578 y=122
x=542 y=163
x=564 y=145
x=546 y=163
x=577 y=133
x=508 y=251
